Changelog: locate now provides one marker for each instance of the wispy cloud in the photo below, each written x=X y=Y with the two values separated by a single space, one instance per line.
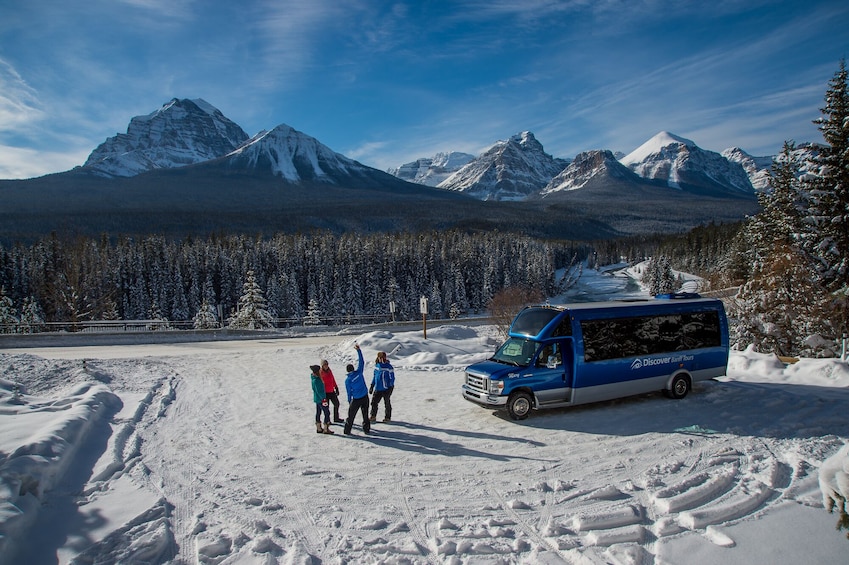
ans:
x=19 y=104
x=23 y=163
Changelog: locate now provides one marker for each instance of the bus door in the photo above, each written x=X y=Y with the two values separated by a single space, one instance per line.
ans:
x=553 y=372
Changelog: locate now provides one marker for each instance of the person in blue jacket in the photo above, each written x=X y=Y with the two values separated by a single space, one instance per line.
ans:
x=382 y=385
x=355 y=386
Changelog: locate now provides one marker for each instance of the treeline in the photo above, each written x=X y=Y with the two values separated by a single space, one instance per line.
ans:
x=349 y=274
x=712 y=251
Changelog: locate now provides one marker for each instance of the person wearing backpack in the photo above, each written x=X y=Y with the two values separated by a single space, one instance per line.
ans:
x=382 y=385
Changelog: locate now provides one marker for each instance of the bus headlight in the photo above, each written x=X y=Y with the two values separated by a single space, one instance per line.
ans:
x=495 y=387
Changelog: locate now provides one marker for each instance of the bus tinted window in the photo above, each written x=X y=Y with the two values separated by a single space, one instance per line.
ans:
x=531 y=320
x=647 y=335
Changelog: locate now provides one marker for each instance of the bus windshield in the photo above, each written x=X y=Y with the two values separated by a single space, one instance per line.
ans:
x=515 y=351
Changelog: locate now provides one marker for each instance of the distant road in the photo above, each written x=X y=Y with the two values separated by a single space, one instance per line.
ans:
x=179 y=342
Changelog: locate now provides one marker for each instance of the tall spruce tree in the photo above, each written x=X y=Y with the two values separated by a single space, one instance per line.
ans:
x=252 y=313
x=829 y=191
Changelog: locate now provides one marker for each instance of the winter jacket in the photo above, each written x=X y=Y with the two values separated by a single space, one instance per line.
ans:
x=355 y=383
x=384 y=377
x=329 y=380
x=318 y=393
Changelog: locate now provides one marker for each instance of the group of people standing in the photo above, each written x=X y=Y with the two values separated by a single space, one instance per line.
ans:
x=326 y=392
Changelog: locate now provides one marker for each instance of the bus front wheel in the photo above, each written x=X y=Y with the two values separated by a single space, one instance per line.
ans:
x=519 y=405
x=679 y=388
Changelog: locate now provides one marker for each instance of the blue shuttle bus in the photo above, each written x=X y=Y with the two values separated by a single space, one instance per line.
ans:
x=582 y=353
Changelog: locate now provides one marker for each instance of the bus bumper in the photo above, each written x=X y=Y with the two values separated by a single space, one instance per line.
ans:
x=478 y=397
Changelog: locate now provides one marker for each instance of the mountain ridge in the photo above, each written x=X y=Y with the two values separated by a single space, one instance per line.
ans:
x=160 y=178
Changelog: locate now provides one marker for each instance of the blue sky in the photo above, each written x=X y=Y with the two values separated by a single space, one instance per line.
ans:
x=387 y=82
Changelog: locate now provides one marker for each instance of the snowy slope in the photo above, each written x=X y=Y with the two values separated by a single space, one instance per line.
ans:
x=182 y=132
x=586 y=166
x=758 y=168
x=509 y=170
x=431 y=171
x=294 y=156
x=680 y=163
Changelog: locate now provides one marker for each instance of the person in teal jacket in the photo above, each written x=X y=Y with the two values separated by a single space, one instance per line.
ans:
x=319 y=396
x=382 y=385
x=355 y=386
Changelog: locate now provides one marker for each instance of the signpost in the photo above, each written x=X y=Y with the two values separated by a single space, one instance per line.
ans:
x=423 y=309
x=392 y=310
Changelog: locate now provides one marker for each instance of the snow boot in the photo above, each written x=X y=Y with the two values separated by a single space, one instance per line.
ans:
x=327 y=429
x=318 y=429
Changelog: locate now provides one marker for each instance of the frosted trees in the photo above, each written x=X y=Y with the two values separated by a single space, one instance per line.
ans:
x=205 y=319
x=32 y=317
x=8 y=320
x=794 y=301
x=829 y=191
x=251 y=313
x=659 y=277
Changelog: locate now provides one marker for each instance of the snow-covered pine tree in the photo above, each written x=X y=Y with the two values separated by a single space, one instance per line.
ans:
x=829 y=191
x=158 y=321
x=659 y=277
x=313 y=317
x=8 y=319
x=205 y=318
x=781 y=309
x=32 y=317
x=252 y=313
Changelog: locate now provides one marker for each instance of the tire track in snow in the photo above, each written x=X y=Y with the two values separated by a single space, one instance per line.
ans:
x=531 y=529
x=418 y=531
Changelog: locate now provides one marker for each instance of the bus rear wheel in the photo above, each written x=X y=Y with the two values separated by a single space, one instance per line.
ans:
x=519 y=405
x=679 y=388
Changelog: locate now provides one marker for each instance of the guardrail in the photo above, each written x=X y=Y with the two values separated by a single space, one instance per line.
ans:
x=104 y=326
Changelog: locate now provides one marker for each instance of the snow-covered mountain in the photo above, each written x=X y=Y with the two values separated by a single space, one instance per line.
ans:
x=509 y=170
x=295 y=156
x=679 y=163
x=597 y=164
x=182 y=132
x=757 y=168
x=431 y=171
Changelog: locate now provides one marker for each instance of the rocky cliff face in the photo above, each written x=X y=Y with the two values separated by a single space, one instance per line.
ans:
x=587 y=166
x=509 y=170
x=182 y=132
x=431 y=171
x=679 y=163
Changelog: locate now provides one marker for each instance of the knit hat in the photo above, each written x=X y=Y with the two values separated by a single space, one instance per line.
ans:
x=315 y=368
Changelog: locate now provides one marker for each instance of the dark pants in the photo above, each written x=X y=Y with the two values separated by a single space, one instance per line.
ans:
x=360 y=404
x=387 y=403
x=334 y=398
x=319 y=408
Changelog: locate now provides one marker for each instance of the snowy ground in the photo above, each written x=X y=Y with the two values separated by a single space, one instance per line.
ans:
x=207 y=453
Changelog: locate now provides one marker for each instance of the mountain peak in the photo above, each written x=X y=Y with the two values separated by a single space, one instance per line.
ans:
x=293 y=155
x=679 y=163
x=509 y=170
x=655 y=145
x=181 y=132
